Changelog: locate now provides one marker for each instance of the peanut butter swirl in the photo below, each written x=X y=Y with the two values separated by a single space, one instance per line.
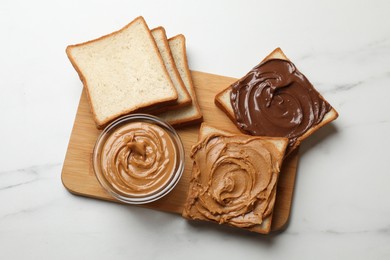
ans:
x=138 y=159
x=234 y=180
x=275 y=99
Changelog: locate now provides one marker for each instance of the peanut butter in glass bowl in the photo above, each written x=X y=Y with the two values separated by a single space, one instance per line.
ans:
x=138 y=158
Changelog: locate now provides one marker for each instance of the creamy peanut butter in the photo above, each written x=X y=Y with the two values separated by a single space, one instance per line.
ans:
x=138 y=159
x=233 y=180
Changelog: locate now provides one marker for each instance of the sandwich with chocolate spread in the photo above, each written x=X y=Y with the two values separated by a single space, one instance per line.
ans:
x=276 y=99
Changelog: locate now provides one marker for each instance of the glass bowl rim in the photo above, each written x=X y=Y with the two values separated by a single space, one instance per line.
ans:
x=179 y=149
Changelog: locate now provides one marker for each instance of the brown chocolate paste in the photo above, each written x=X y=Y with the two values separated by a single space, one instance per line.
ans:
x=233 y=180
x=138 y=159
x=275 y=99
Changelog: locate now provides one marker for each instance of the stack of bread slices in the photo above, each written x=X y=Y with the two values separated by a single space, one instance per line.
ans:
x=136 y=69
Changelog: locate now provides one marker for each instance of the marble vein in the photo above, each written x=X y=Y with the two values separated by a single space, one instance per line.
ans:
x=18 y=177
x=385 y=230
x=33 y=183
x=17 y=184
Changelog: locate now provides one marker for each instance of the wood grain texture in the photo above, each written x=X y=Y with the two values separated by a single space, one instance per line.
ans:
x=78 y=177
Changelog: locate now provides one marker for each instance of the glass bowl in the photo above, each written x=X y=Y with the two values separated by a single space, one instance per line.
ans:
x=138 y=158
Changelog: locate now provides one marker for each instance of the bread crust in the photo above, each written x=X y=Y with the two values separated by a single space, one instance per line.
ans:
x=187 y=100
x=218 y=101
x=199 y=117
x=185 y=121
x=100 y=124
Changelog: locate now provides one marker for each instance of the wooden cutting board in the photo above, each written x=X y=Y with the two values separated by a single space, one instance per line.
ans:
x=79 y=179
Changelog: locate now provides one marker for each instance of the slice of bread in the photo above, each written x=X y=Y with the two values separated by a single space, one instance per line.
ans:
x=184 y=97
x=123 y=72
x=259 y=213
x=222 y=100
x=189 y=114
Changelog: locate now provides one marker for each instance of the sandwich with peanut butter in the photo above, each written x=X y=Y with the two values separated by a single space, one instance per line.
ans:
x=234 y=179
x=276 y=99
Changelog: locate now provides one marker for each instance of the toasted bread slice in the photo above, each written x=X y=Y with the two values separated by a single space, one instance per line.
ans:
x=189 y=114
x=123 y=72
x=222 y=100
x=209 y=154
x=184 y=97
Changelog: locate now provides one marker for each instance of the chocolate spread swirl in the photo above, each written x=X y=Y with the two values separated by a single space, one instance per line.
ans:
x=275 y=99
x=233 y=180
x=138 y=159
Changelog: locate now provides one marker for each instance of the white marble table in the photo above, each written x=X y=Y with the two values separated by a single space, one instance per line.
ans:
x=341 y=206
